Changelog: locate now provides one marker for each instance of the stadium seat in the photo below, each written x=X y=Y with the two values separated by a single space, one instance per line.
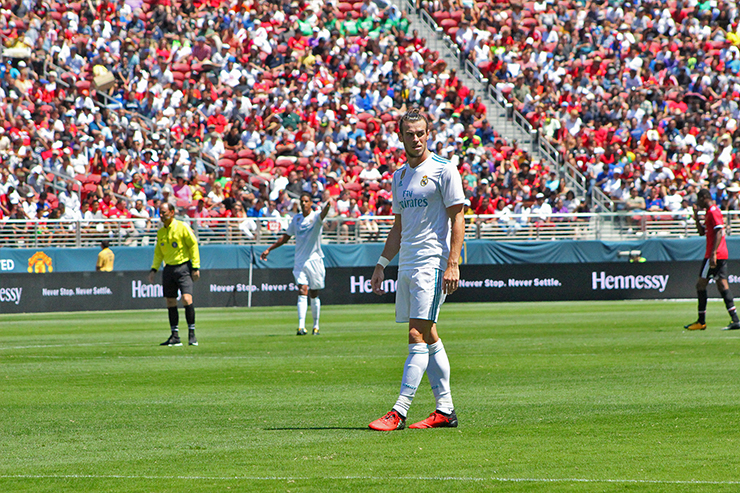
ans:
x=439 y=15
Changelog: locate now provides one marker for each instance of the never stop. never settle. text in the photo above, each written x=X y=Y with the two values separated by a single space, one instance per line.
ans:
x=361 y=284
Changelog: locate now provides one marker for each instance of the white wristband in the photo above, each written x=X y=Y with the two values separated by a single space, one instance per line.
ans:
x=383 y=262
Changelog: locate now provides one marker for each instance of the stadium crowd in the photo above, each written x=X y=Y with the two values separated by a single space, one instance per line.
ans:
x=231 y=109
x=228 y=109
x=641 y=96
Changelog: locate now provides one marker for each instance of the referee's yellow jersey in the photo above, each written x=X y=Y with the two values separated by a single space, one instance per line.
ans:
x=176 y=244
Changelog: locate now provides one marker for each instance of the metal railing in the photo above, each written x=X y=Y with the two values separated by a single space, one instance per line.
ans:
x=575 y=180
x=623 y=226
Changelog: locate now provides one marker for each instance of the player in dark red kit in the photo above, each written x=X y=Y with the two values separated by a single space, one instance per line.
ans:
x=715 y=261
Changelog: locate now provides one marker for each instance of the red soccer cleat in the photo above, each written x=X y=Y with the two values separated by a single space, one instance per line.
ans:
x=437 y=419
x=390 y=422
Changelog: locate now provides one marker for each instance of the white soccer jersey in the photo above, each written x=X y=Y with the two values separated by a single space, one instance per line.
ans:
x=421 y=196
x=307 y=232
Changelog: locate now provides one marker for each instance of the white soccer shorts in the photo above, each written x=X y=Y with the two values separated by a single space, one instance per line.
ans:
x=312 y=274
x=419 y=294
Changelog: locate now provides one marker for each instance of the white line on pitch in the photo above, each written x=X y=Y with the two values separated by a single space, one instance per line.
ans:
x=362 y=478
x=56 y=345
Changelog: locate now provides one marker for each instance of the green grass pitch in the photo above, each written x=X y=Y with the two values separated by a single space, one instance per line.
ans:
x=551 y=397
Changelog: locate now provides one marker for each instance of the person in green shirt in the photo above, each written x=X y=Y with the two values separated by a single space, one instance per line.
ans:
x=177 y=247
x=365 y=23
x=350 y=25
x=290 y=118
x=304 y=24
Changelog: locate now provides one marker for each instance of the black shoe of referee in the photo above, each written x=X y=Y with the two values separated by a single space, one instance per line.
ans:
x=192 y=341
x=174 y=340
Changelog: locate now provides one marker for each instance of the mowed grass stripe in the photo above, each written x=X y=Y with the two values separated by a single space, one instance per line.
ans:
x=597 y=391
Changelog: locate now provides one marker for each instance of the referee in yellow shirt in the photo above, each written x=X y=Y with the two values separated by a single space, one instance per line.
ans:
x=178 y=247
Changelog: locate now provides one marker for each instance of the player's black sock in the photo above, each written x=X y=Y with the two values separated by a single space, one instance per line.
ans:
x=174 y=317
x=702 y=306
x=190 y=315
x=729 y=304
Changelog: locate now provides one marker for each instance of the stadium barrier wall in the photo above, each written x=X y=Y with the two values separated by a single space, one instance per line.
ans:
x=73 y=291
x=475 y=252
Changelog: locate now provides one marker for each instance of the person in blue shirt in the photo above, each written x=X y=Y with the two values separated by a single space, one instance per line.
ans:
x=364 y=100
x=355 y=133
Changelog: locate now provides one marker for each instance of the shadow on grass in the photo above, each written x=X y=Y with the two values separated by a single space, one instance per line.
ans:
x=296 y=428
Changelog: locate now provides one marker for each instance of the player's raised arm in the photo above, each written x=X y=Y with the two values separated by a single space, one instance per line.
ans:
x=325 y=210
x=392 y=246
x=699 y=225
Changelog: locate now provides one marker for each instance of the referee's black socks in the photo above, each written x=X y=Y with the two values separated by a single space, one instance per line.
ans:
x=174 y=317
x=730 y=304
x=190 y=316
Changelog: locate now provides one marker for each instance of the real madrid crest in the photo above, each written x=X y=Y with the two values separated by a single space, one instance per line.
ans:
x=424 y=181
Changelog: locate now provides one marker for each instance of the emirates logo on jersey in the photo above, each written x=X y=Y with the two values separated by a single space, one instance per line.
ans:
x=424 y=181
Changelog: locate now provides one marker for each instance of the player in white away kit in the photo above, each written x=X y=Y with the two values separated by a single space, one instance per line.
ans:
x=427 y=234
x=308 y=268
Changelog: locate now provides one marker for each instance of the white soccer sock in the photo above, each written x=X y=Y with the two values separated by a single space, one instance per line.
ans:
x=302 y=309
x=315 y=311
x=413 y=371
x=438 y=373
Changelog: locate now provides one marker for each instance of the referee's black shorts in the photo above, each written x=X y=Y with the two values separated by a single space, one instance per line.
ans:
x=719 y=272
x=177 y=278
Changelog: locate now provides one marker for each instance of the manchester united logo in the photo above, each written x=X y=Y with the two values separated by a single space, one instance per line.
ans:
x=424 y=181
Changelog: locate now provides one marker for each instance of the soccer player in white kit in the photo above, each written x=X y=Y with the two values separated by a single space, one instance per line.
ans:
x=308 y=267
x=427 y=234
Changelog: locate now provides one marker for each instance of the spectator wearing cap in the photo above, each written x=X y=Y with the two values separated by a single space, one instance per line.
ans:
x=354 y=133
x=541 y=210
